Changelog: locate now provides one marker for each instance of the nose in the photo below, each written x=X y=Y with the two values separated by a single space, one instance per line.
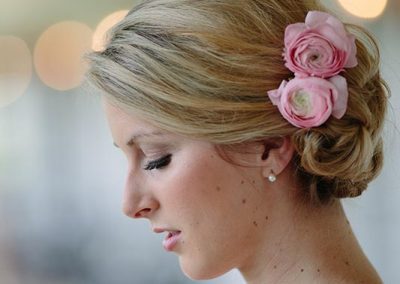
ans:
x=138 y=202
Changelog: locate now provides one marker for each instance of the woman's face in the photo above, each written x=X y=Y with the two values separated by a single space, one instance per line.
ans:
x=211 y=211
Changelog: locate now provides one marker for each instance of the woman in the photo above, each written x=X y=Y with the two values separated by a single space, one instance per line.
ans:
x=243 y=123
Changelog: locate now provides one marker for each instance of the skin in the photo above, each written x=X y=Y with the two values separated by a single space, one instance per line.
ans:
x=231 y=216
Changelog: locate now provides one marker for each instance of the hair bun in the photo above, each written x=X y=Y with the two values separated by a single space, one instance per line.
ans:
x=341 y=157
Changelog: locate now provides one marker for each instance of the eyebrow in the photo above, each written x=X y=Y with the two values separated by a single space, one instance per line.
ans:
x=139 y=136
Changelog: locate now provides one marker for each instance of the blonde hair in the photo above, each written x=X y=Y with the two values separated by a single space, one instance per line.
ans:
x=203 y=68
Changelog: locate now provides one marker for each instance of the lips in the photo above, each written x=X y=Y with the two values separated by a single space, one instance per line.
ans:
x=171 y=239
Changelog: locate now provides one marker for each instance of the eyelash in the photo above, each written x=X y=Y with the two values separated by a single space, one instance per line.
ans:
x=159 y=163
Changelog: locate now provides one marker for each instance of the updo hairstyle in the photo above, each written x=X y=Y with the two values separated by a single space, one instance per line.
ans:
x=202 y=68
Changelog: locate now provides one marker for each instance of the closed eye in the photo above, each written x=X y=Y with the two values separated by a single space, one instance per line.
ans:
x=159 y=163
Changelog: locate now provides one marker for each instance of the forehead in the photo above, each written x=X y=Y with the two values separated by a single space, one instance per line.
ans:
x=116 y=115
x=127 y=129
x=120 y=120
x=112 y=111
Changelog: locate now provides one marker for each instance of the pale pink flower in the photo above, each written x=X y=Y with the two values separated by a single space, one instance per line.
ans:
x=319 y=47
x=309 y=102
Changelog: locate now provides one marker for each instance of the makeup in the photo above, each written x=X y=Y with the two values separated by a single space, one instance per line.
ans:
x=159 y=163
x=171 y=240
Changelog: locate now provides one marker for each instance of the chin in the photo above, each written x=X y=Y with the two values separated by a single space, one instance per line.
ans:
x=200 y=270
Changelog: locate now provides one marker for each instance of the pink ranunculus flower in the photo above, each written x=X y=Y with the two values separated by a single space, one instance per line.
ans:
x=309 y=102
x=319 y=47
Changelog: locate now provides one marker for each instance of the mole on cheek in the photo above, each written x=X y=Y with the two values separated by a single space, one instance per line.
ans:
x=244 y=201
x=218 y=188
x=242 y=182
x=266 y=217
x=255 y=224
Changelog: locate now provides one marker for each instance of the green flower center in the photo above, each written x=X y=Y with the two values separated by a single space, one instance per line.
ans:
x=301 y=102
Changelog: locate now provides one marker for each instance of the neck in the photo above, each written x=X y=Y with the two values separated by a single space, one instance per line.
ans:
x=316 y=245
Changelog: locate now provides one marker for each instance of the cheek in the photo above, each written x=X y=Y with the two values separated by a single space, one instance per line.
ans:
x=205 y=189
x=214 y=195
x=213 y=204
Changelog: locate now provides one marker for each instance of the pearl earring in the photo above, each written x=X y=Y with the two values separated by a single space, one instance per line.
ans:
x=272 y=177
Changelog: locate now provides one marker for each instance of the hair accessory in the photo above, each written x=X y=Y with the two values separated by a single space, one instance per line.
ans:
x=272 y=177
x=316 y=52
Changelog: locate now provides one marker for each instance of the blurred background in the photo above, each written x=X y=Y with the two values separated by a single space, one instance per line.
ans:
x=61 y=180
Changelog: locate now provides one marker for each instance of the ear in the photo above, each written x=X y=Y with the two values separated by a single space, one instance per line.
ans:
x=277 y=155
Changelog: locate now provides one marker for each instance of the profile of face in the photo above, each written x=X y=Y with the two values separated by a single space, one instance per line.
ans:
x=215 y=213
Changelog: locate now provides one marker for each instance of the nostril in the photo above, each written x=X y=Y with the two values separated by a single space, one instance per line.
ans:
x=139 y=206
x=142 y=212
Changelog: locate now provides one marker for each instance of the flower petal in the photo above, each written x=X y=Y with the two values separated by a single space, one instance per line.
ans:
x=275 y=95
x=315 y=19
x=292 y=32
x=331 y=34
x=340 y=102
x=352 y=59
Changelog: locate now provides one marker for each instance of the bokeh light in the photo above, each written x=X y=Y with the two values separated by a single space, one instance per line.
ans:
x=15 y=69
x=99 y=36
x=58 y=54
x=364 y=9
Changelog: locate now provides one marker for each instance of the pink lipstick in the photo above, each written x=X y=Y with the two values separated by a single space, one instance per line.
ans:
x=171 y=240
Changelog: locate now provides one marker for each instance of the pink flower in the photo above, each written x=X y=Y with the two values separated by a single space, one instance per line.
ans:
x=308 y=102
x=319 y=47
